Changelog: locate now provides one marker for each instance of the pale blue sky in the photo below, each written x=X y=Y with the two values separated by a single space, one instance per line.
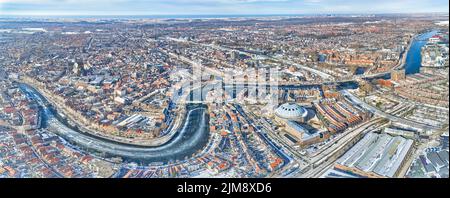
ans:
x=211 y=7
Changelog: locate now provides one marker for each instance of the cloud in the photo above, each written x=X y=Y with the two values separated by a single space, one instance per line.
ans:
x=198 y=7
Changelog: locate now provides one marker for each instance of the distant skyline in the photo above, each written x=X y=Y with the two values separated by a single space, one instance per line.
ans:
x=216 y=7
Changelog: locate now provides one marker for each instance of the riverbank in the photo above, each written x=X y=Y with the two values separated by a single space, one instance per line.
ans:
x=404 y=54
x=414 y=56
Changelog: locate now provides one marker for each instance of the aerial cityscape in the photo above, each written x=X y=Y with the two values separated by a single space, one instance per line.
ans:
x=317 y=93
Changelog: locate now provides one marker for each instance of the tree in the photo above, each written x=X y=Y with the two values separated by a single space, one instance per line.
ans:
x=366 y=87
x=379 y=104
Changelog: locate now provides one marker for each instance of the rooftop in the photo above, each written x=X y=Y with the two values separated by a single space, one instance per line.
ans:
x=291 y=111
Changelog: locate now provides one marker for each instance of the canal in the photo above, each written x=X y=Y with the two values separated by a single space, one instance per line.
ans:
x=414 y=57
x=190 y=138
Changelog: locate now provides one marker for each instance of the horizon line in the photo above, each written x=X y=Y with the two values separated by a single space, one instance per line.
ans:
x=212 y=15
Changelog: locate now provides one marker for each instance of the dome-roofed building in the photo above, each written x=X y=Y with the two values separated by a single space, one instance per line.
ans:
x=292 y=111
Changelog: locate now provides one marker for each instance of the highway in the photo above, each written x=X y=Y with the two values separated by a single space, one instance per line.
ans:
x=328 y=156
x=380 y=113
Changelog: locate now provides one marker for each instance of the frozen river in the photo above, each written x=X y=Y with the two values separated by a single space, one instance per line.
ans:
x=190 y=138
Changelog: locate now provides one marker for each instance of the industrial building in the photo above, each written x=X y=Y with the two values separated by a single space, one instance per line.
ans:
x=377 y=155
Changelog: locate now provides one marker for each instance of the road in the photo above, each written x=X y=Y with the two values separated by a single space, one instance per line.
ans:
x=320 y=73
x=328 y=156
x=380 y=113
